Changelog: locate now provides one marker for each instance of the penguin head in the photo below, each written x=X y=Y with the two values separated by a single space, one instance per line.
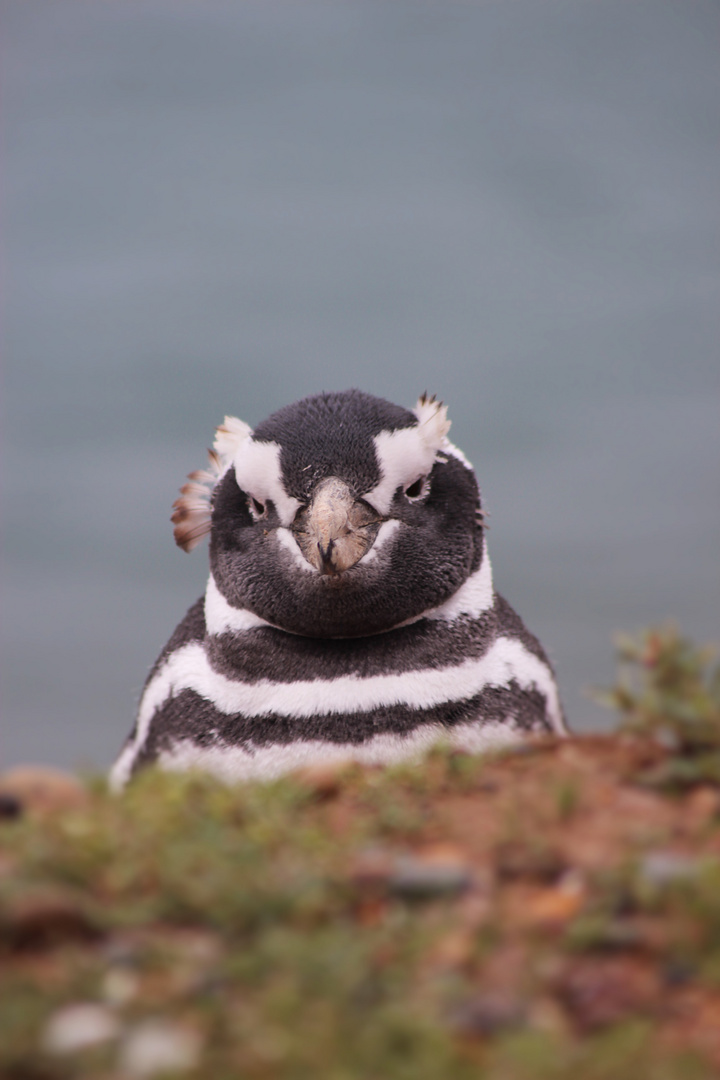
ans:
x=342 y=515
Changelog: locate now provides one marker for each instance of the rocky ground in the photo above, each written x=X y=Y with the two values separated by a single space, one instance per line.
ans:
x=547 y=913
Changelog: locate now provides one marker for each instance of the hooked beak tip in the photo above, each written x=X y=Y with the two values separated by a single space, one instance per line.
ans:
x=327 y=565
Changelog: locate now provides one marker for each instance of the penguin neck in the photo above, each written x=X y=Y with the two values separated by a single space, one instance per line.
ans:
x=222 y=618
x=474 y=598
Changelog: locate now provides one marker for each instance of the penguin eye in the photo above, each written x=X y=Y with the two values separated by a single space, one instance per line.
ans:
x=418 y=490
x=257 y=508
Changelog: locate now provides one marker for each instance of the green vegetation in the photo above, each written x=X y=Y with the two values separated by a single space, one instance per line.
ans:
x=525 y=916
x=669 y=689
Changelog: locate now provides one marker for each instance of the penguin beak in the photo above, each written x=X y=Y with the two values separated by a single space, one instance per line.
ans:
x=336 y=529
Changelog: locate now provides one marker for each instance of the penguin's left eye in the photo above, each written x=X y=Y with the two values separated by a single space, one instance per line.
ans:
x=418 y=490
x=257 y=508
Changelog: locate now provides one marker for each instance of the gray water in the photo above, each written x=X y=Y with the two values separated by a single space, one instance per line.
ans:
x=218 y=207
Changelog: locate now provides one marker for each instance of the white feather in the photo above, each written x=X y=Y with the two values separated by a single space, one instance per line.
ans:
x=473 y=598
x=228 y=438
x=232 y=763
x=222 y=618
x=433 y=423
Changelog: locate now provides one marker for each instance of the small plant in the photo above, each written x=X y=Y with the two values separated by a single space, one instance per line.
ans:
x=669 y=689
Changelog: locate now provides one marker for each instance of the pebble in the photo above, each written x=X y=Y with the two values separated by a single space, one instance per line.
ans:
x=599 y=994
x=417 y=877
x=42 y=790
x=487 y=1014
x=119 y=986
x=45 y=917
x=438 y=870
x=158 y=1046
x=665 y=867
x=76 y=1027
x=10 y=806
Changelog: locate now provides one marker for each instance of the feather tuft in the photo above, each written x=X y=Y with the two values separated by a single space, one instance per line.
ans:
x=228 y=437
x=192 y=511
x=433 y=423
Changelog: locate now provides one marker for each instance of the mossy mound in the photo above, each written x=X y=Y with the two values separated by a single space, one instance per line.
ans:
x=541 y=914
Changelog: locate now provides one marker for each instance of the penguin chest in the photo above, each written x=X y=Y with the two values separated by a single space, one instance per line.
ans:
x=263 y=702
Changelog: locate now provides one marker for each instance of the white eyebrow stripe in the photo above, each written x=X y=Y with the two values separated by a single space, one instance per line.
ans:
x=258 y=472
x=403 y=457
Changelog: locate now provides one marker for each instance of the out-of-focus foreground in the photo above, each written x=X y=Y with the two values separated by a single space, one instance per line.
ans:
x=545 y=913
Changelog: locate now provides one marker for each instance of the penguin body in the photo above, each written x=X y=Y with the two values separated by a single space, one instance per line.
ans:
x=350 y=611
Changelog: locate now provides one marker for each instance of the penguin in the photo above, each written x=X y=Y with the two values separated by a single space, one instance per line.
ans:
x=350 y=611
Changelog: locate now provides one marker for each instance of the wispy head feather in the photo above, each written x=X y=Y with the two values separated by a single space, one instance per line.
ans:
x=229 y=436
x=433 y=423
x=192 y=511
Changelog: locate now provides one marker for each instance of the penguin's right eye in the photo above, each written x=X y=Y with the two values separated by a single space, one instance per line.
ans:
x=418 y=490
x=257 y=508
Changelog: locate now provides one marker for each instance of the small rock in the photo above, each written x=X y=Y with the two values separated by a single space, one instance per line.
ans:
x=76 y=1027
x=487 y=1014
x=42 y=790
x=435 y=872
x=10 y=806
x=119 y=986
x=600 y=993
x=678 y=972
x=121 y=951
x=157 y=1046
x=44 y=918
x=664 y=867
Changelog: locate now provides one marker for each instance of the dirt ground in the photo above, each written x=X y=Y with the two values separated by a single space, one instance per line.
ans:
x=543 y=912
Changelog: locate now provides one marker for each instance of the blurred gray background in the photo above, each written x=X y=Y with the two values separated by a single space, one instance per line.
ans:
x=224 y=205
